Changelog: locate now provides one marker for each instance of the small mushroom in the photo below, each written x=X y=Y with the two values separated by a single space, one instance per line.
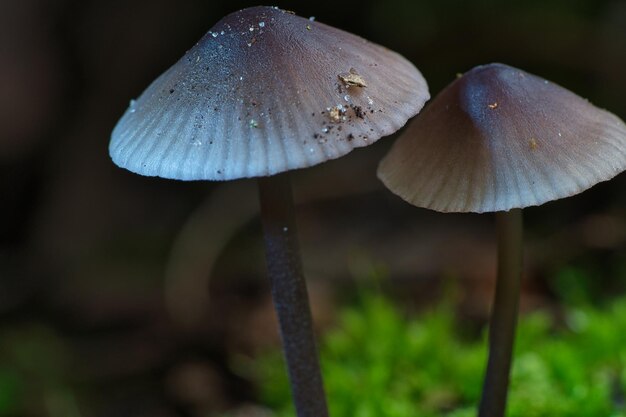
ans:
x=250 y=100
x=498 y=139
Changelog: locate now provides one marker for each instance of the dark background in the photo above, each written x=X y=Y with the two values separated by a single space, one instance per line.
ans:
x=106 y=306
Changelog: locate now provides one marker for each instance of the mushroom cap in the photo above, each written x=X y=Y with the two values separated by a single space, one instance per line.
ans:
x=499 y=138
x=266 y=91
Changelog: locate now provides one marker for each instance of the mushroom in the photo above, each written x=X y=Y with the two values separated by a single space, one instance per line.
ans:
x=498 y=139
x=262 y=93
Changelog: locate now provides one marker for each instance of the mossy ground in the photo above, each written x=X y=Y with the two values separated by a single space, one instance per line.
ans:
x=380 y=362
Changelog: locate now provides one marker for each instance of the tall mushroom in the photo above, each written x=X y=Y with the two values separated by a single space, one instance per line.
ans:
x=262 y=93
x=497 y=140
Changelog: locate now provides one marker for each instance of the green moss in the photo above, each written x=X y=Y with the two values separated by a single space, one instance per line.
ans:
x=9 y=392
x=379 y=363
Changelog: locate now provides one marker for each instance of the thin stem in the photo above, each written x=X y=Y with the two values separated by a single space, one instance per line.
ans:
x=290 y=296
x=504 y=314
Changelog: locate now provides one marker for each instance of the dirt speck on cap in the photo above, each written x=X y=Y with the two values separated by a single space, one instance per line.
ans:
x=358 y=111
x=352 y=78
x=335 y=115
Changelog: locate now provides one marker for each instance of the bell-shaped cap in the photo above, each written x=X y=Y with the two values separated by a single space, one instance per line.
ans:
x=266 y=91
x=499 y=138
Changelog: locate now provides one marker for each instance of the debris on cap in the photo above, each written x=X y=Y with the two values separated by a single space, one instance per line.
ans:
x=352 y=78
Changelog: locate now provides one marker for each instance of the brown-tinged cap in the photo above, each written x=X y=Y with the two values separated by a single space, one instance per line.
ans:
x=266 y=91
x=499 y=138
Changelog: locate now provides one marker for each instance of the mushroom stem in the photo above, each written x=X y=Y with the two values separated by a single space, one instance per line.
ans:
x=290 y=296
x=504 y=314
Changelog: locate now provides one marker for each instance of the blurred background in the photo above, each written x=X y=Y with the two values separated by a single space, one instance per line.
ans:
x=123 y=295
